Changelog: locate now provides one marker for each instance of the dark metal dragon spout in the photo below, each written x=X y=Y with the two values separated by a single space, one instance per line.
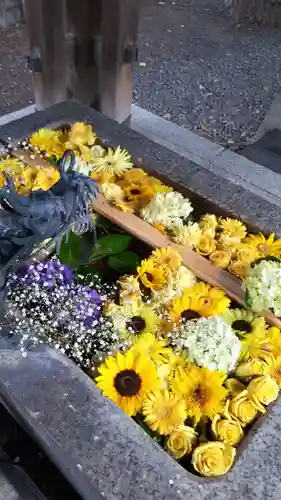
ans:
x=27 y=221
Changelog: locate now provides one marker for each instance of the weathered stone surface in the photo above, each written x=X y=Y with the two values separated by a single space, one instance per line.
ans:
x=11 y=12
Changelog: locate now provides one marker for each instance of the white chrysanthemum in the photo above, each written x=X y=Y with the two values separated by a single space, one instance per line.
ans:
x=211 y=343
x=263 y=287
x=169 y=209
x=187 y=235
x=110 y=190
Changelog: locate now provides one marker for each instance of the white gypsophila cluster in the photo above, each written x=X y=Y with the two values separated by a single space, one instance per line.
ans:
x=263 y=287
x=211 y=343
x=169 y=209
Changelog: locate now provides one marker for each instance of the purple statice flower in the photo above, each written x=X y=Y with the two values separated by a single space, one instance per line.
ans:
x=48 y=274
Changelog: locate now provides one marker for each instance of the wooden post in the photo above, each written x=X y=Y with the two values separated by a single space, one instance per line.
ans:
x=119 y=27
x=46 y=21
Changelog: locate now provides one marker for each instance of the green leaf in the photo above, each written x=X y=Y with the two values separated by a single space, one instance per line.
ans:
x=109 y=245
x=76 y=249
x=124 y=262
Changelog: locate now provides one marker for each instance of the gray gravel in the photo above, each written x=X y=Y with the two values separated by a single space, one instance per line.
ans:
x=203 y=72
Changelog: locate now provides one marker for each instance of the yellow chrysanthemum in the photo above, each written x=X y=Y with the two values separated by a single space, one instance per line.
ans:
x=48 y=141
x=167 y=258
x=202 y=391
x=149 y=346
x=127 y=379
x=244 y=322
x=11 y=166
x=233 y=228
x=163 y=411
x=208 y=224
x=152 y=276
x=114 y=161
x=274 y=338
x=214 y=300
x=264 y=246
x=81 y=134
x=46 y=178
x=25 y=180
x=185 y=307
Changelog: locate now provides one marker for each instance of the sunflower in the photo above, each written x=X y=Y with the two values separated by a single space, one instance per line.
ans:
x=167 y=258
x=81 y=134
x=213 y=299
x=233 y=228
x=152 y=276
x=244 y=322
x=140 y=193
x=202 y=391
x=163 y=411
x=274 y=338
x=275 y=370
x=152 y=348
x=126 y=379
x=185 y=307
x=264 y=246
x=141 y=319
x=114 y=161
x=46 y=178
x=48 y=141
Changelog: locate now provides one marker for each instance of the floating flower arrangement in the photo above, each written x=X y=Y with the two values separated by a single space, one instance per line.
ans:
x=174 y=353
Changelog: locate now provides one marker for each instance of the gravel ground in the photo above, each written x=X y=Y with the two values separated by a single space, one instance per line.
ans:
x=15 y=79
x=203 y=72
x=196 y=69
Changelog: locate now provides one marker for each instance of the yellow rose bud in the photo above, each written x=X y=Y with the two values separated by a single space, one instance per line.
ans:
x=234 y=386
x=182 y=441
x=226 y=430
x=241 y=408
x=220 y=258
x=239 y=268
x=206 y=244
x=252 y=368
x=213 y=458
x=262 y=391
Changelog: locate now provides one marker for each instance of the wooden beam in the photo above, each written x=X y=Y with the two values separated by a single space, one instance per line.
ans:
x=46 y=22
x=200 y=266
x=119 y=27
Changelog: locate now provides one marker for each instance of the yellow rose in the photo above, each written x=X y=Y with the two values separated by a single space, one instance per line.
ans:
x=226 y=430
x=213 y=458
x=262 y=391
x=246 y=253
x=208 y=224
x=221 y=258
x=239 y=268
x=252 y=368
x=182 y=441
x=206 y=244
x=234 y=386
x=241 y=408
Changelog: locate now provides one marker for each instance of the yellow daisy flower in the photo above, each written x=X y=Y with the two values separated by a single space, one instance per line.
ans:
x=233 y=228
x=213 y=299
x=244 y=322
x=152 y=276
x=264 y=246
x=202 y=391
x=126 y=379
x=167 y=258
x=46 y=178
x=152 y=348
x=163 y=411
x=11 y=166
x=114 y=161
x=274 y=338
x=25 y=181
x=255 y=346
x=133 y=319
x=48 y=141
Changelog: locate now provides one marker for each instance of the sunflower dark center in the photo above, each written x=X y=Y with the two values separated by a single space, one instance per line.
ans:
x=136 y=324
x=242 y=326
x=135 y=192
x=149 y=277
x=127 y=383
x=189 y=314
x=200 y=394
